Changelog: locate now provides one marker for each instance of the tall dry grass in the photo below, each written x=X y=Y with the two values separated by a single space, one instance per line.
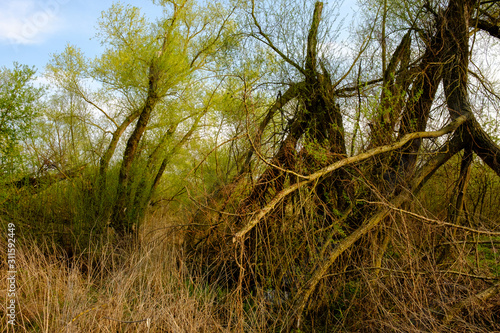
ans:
x=143 y=288
x=153 y=286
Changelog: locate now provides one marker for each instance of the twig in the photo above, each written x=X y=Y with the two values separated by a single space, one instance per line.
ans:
x=202 y=206
x=483 y=296
x=84 y=312
x=337 y=165
x=438 y=222
x=481 y=277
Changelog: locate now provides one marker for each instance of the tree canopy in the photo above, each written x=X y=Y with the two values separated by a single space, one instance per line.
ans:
x=19 y=103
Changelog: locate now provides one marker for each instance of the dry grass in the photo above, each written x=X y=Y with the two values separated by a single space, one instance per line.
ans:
x=151 y=288
x=102 y=289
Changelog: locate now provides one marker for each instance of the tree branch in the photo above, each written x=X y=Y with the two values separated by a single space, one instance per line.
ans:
x=444 y=154
x=290 y=94
x=269 y=43
x=483 y=296
x=337 y=165
x=490 y=28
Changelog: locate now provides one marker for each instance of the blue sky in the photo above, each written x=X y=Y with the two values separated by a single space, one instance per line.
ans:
x=32 y=30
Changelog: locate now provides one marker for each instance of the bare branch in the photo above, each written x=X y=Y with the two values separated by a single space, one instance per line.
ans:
x=490 y=28
x=434 y=221
x=269 y=43
x=337 y=165
x=481 y=297
x=445 y=153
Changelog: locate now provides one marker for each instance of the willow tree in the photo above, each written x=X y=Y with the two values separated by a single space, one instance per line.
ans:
x=312 y=204
x=150 y=77
x=20 y=102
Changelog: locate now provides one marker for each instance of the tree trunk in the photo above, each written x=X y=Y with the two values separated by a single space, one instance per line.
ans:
x=120 y=221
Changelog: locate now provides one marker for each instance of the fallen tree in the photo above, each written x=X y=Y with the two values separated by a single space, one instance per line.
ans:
x=308 y=213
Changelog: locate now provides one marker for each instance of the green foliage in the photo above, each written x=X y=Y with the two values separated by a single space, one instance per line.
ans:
x=19 y=107
x=69 y=213
x=179 y=98
x=317 y=151
x=149 y=70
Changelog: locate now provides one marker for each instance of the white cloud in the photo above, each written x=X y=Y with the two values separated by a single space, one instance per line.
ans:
x=29 y=21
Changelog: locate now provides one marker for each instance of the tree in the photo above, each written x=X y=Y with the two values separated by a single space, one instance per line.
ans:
x=311 y=178
x=20 y=101
x=145 y=70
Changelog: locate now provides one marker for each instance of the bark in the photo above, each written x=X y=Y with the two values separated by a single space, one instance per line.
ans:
x=337 y=165
x=119 y=221
x=444 y=154
x=380 y=245
x=491 y=28
x=312 y=41
x=484 y=146
x=325 y=122
x=456 y=213
x=281 y=101
x=104 y=161
x=456 y=78
x=172 y=152
x=424 y=88
x=392 y=94
x=145 y=189
x=456 y=65
x=418 y=104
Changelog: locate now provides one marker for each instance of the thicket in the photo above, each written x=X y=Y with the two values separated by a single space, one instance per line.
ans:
x=234 y=167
